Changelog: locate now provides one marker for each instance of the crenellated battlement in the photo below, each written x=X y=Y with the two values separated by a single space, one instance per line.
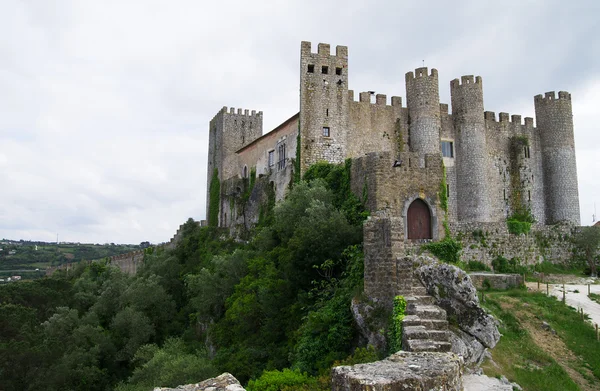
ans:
x=466 y=80
x=421 y=73
x=323 y=49
x=241 y=112
x=506 y=117
x=380 y=99
x=551 y=96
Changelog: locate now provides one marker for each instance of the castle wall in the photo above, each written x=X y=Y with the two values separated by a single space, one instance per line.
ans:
x=423 y=101
x=555 y=124
x=471 y=152
x=391 y=189
x=229 y=131
x=323 y=104
x=448 y=134
x=484 y=242
x=513 y=172
x=256 y=155
x=375 y=126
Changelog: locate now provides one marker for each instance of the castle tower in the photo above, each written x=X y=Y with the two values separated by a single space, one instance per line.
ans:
x=555 y=126
x=423 y=101
x=323 y=104
x=229 y=131
x=471 y=155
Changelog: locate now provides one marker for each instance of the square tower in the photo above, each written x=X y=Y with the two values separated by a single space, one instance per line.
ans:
x=323 y=104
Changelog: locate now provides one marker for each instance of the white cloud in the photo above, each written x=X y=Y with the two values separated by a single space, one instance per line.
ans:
x=104 y=106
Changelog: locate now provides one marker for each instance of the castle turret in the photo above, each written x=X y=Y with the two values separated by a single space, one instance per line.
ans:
x=323 y=104
x=423 y=101
x=229 y=131
x=471 y=154
x=555 y=126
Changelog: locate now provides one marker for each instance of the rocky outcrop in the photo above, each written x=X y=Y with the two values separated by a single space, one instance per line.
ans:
x=369 y=324
x=402 y=371
x=453 y=291
x=224 y=382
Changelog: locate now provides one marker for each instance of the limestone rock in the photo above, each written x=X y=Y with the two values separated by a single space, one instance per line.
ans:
x=369 y=329
x=402 y=371
x=223 y=382
x=467 y=346
x=453 y=291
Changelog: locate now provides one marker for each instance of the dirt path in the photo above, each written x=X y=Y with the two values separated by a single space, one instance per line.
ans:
x=551 y=343
x=576 y=296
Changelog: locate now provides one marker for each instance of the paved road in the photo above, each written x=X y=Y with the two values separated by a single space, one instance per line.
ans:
x=574 y=299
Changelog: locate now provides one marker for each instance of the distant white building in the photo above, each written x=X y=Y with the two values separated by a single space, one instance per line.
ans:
x=16 y=278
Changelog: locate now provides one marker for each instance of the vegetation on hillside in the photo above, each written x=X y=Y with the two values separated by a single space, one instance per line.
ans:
x=278 y=302
x=24 y=255
x=560 y=354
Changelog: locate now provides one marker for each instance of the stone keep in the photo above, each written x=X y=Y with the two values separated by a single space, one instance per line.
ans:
x=494 y=167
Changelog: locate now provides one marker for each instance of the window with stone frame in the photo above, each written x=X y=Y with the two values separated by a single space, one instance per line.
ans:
x=326 y=131
x=447 y=149
x=281 y=152
x=271 y=158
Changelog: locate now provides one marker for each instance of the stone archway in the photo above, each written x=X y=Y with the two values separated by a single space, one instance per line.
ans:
x=418 y=220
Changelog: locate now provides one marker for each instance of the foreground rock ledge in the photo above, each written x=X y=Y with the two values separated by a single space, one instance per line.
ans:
x=402 y=371
x=224 y=382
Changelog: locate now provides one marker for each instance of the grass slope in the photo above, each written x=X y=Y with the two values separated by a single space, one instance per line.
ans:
x=563 y=358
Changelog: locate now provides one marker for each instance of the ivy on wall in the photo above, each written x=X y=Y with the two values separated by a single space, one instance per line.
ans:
x=395 y=333
x=297 y=161
x=214 y=199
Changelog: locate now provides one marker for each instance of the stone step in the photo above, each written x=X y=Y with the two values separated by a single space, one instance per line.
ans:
x=424 y=300
x=419 y=290
x=430 y=324
x=424 y=345
x=421 y=332
x=426 y=312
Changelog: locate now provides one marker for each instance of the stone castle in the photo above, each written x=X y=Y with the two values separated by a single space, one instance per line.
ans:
x=489 y=160
x=492 y=166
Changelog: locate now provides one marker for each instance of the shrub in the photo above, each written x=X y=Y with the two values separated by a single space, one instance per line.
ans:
x=446 y=250
x=278 y=380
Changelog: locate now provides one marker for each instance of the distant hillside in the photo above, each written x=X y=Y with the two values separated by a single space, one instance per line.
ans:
x=24 y=257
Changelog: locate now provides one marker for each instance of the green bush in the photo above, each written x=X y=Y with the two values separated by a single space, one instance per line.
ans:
x=446 y=250
x=477 y=266
x=279 y=380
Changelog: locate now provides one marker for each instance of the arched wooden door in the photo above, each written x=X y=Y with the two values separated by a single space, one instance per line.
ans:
x=418 y=220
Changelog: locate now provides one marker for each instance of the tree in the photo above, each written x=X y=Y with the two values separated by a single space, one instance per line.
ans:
x=587 y=241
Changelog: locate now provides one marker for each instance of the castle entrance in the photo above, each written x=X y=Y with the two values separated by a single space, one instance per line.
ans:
x=418 y=220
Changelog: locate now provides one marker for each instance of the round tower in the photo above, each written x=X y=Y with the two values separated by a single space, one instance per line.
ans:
x=423 y=102
x=471 y=153
x=555 y=126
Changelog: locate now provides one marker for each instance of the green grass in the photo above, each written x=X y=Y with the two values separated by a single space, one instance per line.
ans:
x=595 y=297
x=551 y=268
x=522 y=361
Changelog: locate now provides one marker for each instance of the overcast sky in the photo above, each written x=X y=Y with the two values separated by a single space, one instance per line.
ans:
x=104 y=105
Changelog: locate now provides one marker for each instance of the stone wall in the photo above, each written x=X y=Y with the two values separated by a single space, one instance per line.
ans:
x=484 y=242
x=496 y=281
x=128 y=263
x=391 y=188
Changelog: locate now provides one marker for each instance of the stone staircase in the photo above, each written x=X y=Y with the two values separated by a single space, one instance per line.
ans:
x=425 y=326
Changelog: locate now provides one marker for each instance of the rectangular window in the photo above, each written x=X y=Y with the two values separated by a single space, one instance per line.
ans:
x=324 y=69
x=447 y=149
x=271 y=158
x=281 y=152
x=338 y=71
x=311 y=68
x=527 y=152
x=326 y=132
